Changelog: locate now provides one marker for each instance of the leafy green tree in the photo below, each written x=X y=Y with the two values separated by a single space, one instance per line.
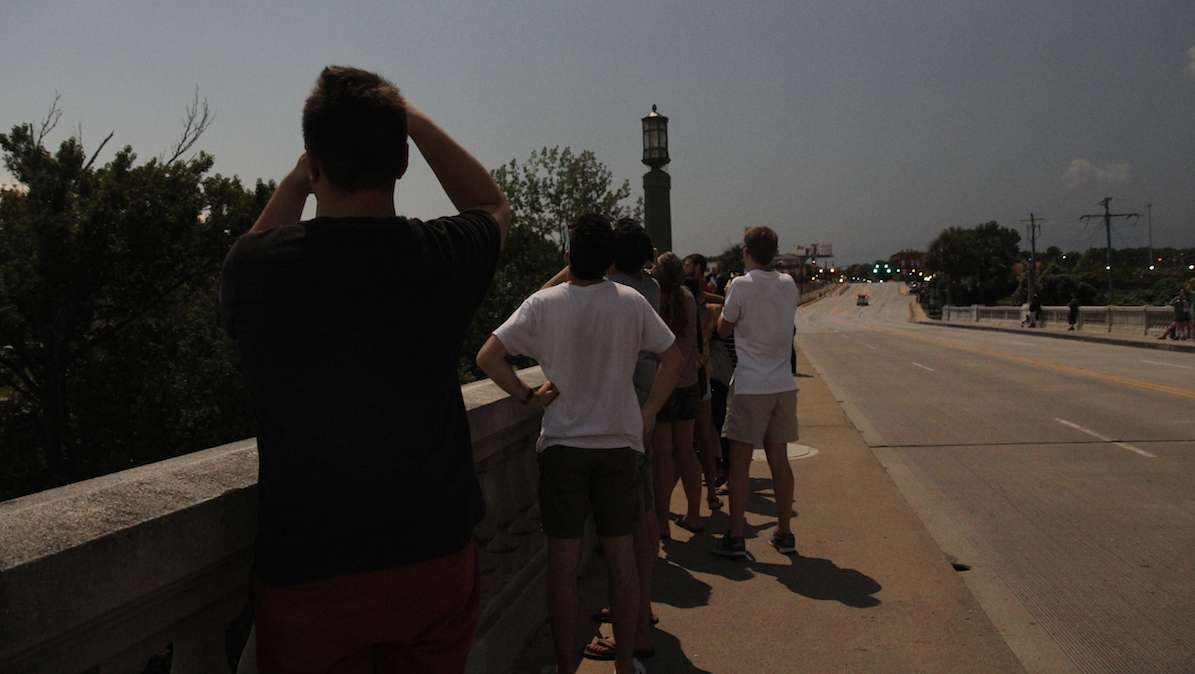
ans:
x=731 y=259
x=974 y=265
x=109 y=329
x=547 y=191
x=554 y=186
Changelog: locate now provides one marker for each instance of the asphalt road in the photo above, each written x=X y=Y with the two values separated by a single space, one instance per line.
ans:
x=1061 y=472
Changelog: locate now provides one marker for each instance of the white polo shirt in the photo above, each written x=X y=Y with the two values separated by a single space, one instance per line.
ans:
x=762 y=305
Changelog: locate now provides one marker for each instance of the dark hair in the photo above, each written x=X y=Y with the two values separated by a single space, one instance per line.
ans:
x=670 y=275
x=632 y=246
x=591 y=247
x=355 y=126
x=699 y=260
x=761 y=243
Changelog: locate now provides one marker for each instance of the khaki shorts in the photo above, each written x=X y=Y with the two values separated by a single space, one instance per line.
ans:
x=761 y=418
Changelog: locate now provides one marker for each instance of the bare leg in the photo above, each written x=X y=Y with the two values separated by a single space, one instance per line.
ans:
x=782 y=483
x=686 y=464
x=564 y=556
x=707 y=448
x=647 y=549
x=740 y=465
x=663 y=472
x=620 y=561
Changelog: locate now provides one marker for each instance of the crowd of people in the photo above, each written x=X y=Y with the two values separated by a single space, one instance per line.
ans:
x=655 y=372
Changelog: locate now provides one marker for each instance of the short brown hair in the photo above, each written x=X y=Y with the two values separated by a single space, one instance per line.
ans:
x=761 y=243
x=355 y=124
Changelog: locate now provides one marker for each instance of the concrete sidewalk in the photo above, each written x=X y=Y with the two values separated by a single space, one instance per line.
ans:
x=870 y=592
x=1139 y=341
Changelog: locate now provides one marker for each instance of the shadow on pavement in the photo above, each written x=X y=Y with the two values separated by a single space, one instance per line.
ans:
x=670 y=657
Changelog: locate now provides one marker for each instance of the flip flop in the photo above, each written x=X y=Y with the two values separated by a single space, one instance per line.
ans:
x=604 y=616
x=603 y=648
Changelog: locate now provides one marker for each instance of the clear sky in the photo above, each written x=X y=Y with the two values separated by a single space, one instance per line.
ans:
x=867 y=125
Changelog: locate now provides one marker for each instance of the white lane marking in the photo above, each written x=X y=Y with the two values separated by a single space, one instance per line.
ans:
x=1158 y=362
x=1100 y=436
x=923 y=367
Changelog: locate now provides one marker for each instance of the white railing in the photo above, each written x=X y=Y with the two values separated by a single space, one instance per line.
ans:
x=102 y=575
x=1141 y=320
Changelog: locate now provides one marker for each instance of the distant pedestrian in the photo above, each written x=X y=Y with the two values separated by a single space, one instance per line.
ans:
x=1179 y=327
x=367 y=493
x=587 y=334
x=1072 y=312
x=762 y=410
x=1034 y=312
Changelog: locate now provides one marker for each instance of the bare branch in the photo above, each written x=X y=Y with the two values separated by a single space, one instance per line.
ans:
x=51 y=119
x=197 y=119
x=97 y=150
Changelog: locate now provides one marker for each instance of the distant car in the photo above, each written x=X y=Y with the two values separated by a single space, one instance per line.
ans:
x=862 y=300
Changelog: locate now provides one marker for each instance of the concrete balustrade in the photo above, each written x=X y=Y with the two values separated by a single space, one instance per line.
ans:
x=1141 y=320
x=102 y=575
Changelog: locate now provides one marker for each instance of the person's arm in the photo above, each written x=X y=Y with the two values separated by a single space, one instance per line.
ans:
x=466 y=182
x=671 y=362
x=492 y=360
x=712 y=298
x=285 y=206
x=562 y=276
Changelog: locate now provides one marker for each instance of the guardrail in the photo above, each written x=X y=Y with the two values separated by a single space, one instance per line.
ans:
x=103 y=575
x=1142 y=320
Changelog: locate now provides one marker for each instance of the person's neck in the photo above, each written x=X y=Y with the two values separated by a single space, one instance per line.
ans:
x=752 y=265
x=585 y=282
x=360 y=204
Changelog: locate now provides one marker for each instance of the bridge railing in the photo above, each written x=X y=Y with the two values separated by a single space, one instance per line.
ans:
x=105 y=575
x=1141 y=320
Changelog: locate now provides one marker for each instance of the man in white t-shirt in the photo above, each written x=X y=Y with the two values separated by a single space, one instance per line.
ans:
x=587 y=334
x=760 y=309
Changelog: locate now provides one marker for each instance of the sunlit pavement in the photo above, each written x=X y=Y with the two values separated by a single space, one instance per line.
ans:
x=1060 y=471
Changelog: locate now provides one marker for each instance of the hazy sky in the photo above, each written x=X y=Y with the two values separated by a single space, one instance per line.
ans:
x=867 y=125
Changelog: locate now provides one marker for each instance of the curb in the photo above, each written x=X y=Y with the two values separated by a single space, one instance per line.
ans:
x=1116 y=341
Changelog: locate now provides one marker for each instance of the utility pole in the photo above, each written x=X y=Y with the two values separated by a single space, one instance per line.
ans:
x=1034 y=229
x=1107 y=215
x=1149 y=208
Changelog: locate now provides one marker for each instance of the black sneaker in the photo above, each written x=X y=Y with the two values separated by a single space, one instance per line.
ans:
x=730 y=546
x=785 y=543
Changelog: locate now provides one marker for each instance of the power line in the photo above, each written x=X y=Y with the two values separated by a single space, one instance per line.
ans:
x=1034 y=230
x=1107 y=215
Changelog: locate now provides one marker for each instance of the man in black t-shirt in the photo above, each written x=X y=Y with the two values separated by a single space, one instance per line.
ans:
x=367 y=490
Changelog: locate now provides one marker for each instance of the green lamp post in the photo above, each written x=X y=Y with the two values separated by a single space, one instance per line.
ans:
x=657 y=208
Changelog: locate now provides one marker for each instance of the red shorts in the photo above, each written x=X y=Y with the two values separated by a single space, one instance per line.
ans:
x=414 y=618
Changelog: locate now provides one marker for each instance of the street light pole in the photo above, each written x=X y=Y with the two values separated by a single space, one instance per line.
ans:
x=657 y=206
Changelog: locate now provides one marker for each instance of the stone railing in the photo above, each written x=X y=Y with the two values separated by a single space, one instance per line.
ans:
x=152 y=564
x=1141 y=320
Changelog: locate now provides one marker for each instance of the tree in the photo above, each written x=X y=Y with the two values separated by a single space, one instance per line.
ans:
x=108 y=318
x=547 y=192
x=974 y=265
x=554 y=186
x=731 y=259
